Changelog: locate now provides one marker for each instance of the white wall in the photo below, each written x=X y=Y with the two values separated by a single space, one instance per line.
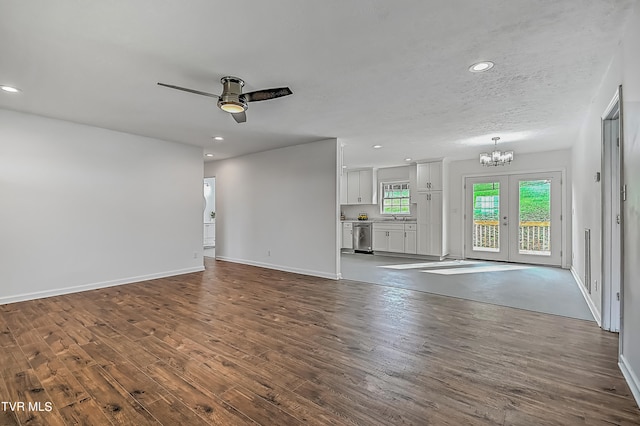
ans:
x=279 y=209
x=523 y=163
x=625 y=70
x=84 y=207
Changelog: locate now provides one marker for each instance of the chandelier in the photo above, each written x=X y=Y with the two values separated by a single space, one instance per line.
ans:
x=497 y=157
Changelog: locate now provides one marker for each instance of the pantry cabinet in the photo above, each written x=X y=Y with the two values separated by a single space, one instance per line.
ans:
x=431 y=224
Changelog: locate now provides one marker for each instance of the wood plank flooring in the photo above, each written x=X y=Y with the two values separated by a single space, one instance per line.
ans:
x=237 y=345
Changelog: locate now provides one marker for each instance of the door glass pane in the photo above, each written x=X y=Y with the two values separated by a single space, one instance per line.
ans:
x=534 y=217
x=486 y=216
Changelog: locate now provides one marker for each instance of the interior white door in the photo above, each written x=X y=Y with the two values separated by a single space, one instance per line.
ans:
x=514 y=218
x=611 y=222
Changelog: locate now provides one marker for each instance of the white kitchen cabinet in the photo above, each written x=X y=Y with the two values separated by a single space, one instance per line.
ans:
x=429 y=176
x=380 y=239
x=347 y=235
x=343 y=188
x=360 y=187
x=210 y=234
x=410 y=238
x=353 y=188
x=396 y=241
x=431 y=224
x=413 y=183
x=390 y=237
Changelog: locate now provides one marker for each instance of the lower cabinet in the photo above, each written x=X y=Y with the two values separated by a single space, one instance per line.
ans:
x=210 y=234
x=347 y=235
x=394 y=237
x=410 y=238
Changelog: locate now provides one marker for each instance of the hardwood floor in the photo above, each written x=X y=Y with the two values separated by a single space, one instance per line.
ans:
x=243 y=345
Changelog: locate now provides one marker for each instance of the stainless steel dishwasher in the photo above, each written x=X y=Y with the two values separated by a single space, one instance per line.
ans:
x=362 y=238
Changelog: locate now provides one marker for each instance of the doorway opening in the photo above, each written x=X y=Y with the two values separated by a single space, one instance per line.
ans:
x=514 y=218
x=209 y=217
x=611 y=216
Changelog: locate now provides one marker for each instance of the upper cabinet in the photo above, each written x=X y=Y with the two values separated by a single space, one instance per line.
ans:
x=413 y=183
x=429 y=176
x=343 y=188
x=360 y=187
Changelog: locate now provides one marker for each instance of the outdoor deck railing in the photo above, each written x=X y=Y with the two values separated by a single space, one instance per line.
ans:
x=533 y=236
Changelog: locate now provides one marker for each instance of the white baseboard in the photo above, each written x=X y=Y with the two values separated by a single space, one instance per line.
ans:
x=631 y=377
x=281 y=268
x=592 y=306
x=94 y=286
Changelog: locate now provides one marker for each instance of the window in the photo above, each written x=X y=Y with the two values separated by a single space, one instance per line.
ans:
x=487 y=207
x=395 y=198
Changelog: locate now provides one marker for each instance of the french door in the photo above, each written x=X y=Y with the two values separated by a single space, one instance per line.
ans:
x=514 y=218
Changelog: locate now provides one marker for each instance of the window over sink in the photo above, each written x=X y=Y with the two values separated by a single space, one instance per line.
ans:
x=395 y=198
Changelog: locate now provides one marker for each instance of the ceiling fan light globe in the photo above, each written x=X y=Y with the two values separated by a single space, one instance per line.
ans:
x=232 y=107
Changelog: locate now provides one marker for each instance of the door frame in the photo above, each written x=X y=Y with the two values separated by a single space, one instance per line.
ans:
x=611 y=309
x=565 y=223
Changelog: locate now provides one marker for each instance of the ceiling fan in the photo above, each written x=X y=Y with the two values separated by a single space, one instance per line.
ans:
x=232 y=100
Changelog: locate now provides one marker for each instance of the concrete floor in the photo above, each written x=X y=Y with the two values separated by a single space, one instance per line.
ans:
x=534 y=288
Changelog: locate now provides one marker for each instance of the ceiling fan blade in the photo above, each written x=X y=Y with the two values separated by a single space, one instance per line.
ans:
x=264 y=95
x=240 y=117
x=184 y=89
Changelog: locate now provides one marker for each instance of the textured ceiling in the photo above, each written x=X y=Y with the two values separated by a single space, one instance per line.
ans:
x=366 y=72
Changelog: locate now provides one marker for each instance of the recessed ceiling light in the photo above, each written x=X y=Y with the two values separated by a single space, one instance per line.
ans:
x=344 y=167
x=407 y=159
x=377 y=146
x=481 y=66
x=208 y=155
x=218 y=138
x=9 y=89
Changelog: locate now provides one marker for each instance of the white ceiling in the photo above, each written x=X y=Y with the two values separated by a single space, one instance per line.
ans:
x=393 y=73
